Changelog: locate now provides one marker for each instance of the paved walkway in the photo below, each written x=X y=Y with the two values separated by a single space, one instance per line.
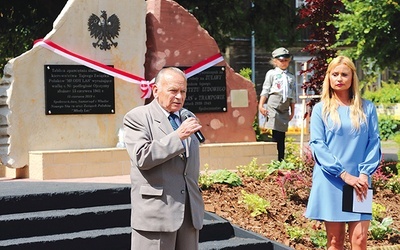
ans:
x=390 y=149
x=119 y=179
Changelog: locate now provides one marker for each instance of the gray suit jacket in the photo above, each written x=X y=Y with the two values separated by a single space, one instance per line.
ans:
x=160 y=177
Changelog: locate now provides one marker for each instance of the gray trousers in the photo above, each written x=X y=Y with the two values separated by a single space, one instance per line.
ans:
x=187 y=237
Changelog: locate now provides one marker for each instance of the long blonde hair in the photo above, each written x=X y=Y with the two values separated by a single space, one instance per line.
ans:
x=330 y=105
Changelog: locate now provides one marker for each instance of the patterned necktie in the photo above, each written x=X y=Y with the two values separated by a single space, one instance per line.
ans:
x=175 y=126
x=171 y=119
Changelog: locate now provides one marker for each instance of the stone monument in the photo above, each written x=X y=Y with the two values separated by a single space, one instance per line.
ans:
x=175 y=38
x=30 y=127
x=64 y=100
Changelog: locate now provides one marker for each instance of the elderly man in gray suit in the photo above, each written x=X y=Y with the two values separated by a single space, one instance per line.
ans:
x=167 y=205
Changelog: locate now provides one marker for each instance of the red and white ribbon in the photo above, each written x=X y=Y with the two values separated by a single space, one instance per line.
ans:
x=145 y=85
x=203 y=65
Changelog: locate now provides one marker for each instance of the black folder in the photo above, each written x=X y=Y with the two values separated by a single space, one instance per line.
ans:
x=351 y=204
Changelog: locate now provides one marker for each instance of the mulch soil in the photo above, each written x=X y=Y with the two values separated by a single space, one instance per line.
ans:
x=288 y=199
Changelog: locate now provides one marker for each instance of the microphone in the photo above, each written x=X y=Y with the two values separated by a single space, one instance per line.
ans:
x=186 y=114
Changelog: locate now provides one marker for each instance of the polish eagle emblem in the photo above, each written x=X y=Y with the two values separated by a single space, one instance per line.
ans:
x=104 y=29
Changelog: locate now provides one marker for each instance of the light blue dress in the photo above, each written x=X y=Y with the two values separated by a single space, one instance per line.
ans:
x=336 y=150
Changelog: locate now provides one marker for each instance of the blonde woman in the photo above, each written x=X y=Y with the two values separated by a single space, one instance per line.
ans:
x=344 y=139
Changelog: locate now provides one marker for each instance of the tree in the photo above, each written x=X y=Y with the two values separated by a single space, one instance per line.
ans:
x=370 y=30
x=21 y=22
x=273 y=22
x=317 y=16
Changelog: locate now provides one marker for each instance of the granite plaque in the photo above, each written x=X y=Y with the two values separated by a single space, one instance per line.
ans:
x=77 y=89
x=207 y=91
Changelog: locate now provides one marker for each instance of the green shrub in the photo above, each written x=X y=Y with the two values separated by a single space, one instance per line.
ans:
x=206 y=179
x=378 y=211
x=298 y=234
x=388 y=127
x=304 y=162
x=252 y=170
x=295 y=233
x=246 y=73
x=260 y=136
x=280 y=165
x=292 y=152
x=254 y=203
x=388 y=93
x=380 y=226
x=224 y=176
x=394 y=184
x=380 y=230
x=318 y=238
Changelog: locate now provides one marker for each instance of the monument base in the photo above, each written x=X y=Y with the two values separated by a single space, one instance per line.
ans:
x=230 y=155
x=14 y=173
x=86 y=163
